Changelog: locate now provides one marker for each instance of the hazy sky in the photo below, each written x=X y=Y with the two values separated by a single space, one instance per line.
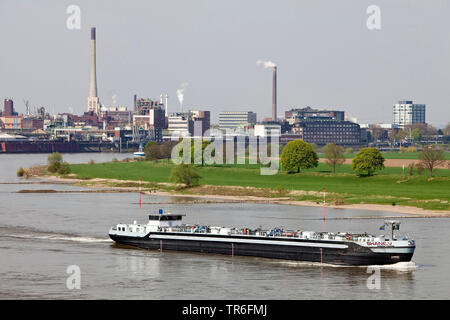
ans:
x=326 y=55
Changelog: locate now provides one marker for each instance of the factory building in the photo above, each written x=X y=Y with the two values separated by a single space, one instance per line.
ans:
x=236 y=119
x=183 y=124
x=266 y=130
x=296 y=115
x=322 y=132
x=203 y=117
x=180 y=124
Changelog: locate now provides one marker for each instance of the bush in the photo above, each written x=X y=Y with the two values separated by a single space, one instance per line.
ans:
x=152 y=151
x=411 y=168
x=55 y=157
x=54 y=162
x=91 y=161
x=20 y=172
x=54 y=167
x=186 y=174
x=349 y=150
x=411 y=149
x=64 y=168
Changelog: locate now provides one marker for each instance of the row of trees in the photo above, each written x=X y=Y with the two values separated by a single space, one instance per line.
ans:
x=299 y=155
x=415 y=131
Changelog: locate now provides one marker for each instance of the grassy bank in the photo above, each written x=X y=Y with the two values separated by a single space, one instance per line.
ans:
x=389 y=186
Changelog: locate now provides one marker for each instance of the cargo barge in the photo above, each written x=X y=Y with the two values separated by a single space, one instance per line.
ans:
x=39 y=146
x=165 y=231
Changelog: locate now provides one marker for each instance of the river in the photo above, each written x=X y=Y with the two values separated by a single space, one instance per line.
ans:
x=42 y=234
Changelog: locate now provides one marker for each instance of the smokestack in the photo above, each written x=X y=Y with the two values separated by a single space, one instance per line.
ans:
x=134 y=103
x=167 y=105
x=93 y=101
x=274 y=94
x=93 y=84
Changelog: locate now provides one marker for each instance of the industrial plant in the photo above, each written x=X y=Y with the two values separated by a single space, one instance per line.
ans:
x=118 y=128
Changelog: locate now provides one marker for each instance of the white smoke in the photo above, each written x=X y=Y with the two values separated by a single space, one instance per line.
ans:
x=266 y=64
x=114 y=100
x=180 y=93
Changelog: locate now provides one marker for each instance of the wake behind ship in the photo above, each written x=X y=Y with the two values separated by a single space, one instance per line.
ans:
x=166 y=232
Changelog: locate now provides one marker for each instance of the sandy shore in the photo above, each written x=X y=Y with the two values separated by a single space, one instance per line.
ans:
x=101 y=184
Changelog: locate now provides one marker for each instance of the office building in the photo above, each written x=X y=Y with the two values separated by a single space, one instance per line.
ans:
x=407 y=113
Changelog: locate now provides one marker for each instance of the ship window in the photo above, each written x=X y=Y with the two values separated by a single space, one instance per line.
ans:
x=170 y=218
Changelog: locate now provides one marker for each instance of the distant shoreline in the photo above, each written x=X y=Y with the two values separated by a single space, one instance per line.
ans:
x=211 y=198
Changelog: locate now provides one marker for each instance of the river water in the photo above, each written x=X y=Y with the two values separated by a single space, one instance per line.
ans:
x=42 y=234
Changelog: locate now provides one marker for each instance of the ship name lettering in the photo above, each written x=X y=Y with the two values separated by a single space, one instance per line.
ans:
x=384 y=243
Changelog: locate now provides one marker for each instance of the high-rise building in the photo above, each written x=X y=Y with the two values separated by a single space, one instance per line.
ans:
x=180 y=124
x=93 y=101
x=236 y=119
x=406 y=113
x=204 y=117
x=9 y=108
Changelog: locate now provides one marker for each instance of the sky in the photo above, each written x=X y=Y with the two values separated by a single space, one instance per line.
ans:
x=326 y=55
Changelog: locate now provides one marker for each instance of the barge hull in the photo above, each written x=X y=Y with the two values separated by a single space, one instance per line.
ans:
x=352 y=254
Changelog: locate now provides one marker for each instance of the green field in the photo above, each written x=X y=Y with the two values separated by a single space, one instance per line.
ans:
x=388 y=186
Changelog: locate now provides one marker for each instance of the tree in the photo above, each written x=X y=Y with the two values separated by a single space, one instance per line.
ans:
x=367 y=161
x=298 y=155
x=349 y=150
x=54 y=162
x=314 y=146
x=334 y=155
x=447 y=129
x=378 y=133
x=151 y=150
x=54 y=157
x=165 y=149
x=184 y=173
x=431 y=157
x=416 y=134
x=401 y=135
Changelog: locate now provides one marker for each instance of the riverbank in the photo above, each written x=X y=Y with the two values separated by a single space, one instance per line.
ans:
x=221 y=194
